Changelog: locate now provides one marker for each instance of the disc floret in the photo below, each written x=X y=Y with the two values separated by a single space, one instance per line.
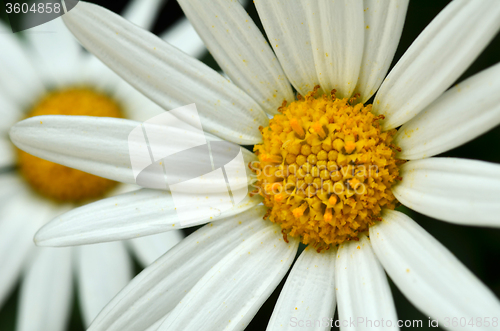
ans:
x=325 y=169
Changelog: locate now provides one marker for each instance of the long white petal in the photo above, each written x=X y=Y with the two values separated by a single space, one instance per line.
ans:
x=19 y=76
x=45 y=298
x=454 y=190
x=384 y=22
x=238 y=46
x=287 y=28
x=58 y=53
x=91 y=144
x=148 y=249
x=103 y=270
x=308 y=294
x=337 y=38
x=231 y=293
x=166 y=75
x=21 y=214
x=464 y=112
x=183 y=36
x=143 y=12
x=429 y=275
x=130 y=215
x=363 y=291
x=97 y=145
x=442 y=52
x=162 y=285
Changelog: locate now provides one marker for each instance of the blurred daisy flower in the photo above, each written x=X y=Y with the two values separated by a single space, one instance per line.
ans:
x=50 y=73
x=329 y=168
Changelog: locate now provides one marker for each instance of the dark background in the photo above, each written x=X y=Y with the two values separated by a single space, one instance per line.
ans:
x=477 y=248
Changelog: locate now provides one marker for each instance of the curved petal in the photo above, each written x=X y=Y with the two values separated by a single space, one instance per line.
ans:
x=102 y=271
x=462 y=113
x=440 y=54
x=337 y=38
x=363 y=291
x=58 y=53
x=238 y=46
x=160 y=287
x=453 y=190
x=429 y=275
x=20 y=75
x=384 y=22
x=46 y=291
x=21 y=214
x=149 y=249
x=183 y=36
x=143 y=12
x=130 y=215
x=237 y=286
x=308 y=294
x=166 y=75
x=287 y=28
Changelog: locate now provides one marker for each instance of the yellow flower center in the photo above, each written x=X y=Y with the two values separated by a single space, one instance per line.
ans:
x=325 y=169
x=56 y=181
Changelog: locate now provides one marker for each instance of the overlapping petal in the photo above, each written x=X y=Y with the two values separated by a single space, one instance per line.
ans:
x=431 y=277
x=462 y=113
x=440 y=54
x=454 y=190
x=308 y=294
x=159 y=288
x=166 y=75
x=244 y=55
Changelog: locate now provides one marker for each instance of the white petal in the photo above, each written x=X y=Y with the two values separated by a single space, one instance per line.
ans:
x=308 y=294
x=429 y=275
x=384 y=22
x=183 y=36
x=167 y=76
x=45 y=298
x=442 y=52
x=240 y=49
x=18 y=80
x=464 y=112
x=131 y=215
x=160 y=287
x=143 y=12
x=148 y=249
x=231 y=293
x=98 y=145
x=287 y=28
x=337 y=39
x=58 y=52
x=103 y=270
x=363 y=291
x=454 y=190
x=21 y=214
x=7 y=153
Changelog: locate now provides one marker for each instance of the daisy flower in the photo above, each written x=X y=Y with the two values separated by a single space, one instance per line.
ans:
x=51 y=74
x=330 y=168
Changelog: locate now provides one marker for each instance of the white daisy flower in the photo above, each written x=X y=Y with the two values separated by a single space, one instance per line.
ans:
x=51 y=74
x=336 y=55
